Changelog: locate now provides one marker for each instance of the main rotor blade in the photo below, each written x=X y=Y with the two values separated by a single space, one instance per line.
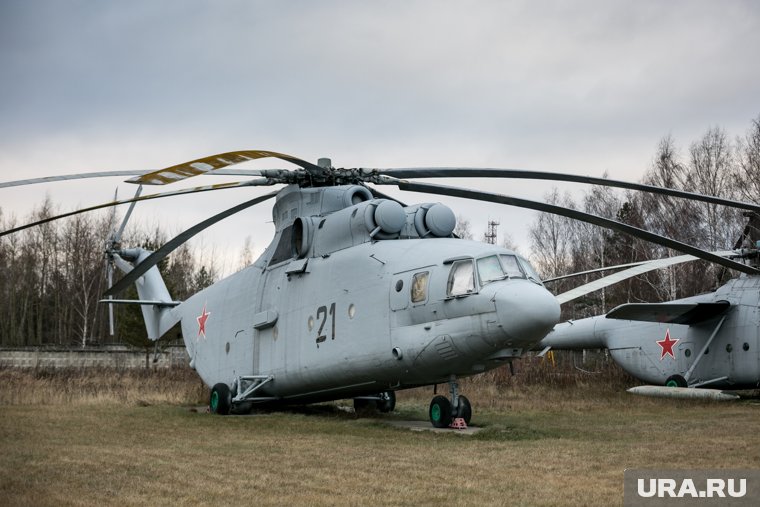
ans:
x=203 y=165
x=206 y=188
x=577 y=215
x=117 y=236
x=177 y=241
x=379 y=195
x=475 y=172
x=597 y=270
x=110 y=174
x=620 y=276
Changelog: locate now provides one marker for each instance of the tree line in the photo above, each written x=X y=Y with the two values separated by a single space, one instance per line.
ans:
x=714 y=164
x=52 y=277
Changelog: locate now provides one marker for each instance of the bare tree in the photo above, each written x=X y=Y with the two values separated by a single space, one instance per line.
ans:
x=711 y=172
x=551 y=239
x=593 y=246
x=748 y=164
x=85 y=267
x=509 y=243
x=51 y=279
x=668 y=216
x=246 y=255
x=463 y=229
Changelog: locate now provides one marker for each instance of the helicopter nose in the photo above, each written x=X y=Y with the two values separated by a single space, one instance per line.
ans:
x=526 y=311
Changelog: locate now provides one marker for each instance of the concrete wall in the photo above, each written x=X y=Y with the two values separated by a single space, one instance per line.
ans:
x=107 y=357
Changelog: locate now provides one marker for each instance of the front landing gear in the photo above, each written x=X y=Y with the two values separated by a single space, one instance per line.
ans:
x=443 y=412
x=464 y=410
x=440 y=412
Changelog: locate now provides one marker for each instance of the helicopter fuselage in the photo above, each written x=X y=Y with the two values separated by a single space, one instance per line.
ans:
x=352 y=323
x=330 y=312
x=720 y=352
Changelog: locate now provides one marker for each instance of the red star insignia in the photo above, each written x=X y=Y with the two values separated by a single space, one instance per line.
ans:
x=667 y=345
x=202 y=318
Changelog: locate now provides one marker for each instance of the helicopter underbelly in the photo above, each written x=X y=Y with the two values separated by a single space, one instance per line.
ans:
x=441 y=348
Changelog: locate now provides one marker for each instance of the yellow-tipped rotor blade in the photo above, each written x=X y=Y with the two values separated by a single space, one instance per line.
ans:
x=204 y=165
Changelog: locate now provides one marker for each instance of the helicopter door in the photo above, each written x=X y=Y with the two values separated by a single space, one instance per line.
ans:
x=400 y=291
x=685 y=356
x=267 y=349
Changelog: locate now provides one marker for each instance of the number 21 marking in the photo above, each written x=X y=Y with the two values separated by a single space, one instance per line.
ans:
x=322 y=313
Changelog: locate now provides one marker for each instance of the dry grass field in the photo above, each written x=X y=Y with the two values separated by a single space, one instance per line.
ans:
x=549 y=438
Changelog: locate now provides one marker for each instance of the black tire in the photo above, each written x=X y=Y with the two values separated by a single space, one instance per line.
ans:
x=440 y=412
x=464 y=410
x=387 y=402
x=364 y=407
x=676 y=381
x=220 y=401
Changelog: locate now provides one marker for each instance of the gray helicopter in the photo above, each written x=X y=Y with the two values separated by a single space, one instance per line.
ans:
x=706 y=341
x=358 y=295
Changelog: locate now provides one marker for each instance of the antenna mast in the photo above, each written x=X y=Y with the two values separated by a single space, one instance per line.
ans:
x=490 y=236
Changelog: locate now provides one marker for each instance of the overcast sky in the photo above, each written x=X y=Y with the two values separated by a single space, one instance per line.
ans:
x=577 y=87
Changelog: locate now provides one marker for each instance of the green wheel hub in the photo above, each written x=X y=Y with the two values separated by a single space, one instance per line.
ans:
x=676 y=381
x=220 y=401
x=440 y=412
x=435 y=412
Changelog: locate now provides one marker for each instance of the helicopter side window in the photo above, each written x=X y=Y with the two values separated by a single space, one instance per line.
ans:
x=489 y=270
x=511 y=266
x=419 y=286
x=461 y=279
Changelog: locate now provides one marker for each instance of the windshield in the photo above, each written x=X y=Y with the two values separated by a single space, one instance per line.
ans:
x=532 y=274
x=461 y=279
x=511 y=266
x=490 y=270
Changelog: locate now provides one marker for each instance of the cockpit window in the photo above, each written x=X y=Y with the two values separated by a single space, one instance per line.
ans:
x=461 y=279
x=511 y=266
x=419 y=287
x=489 y=270
x=532 y=274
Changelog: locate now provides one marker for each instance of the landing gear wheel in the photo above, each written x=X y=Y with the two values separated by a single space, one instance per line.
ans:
x=220 y=401
x=464 y=410
x=387 y=402
x=364 y=407
x=440 y=412
x=676 y=381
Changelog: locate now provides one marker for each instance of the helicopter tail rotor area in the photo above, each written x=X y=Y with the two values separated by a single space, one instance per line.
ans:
x=113 y=244
x=153 y=296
